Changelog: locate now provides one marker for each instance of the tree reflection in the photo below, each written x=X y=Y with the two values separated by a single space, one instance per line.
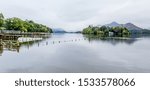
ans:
x=11 y=45
x=1 y=50
x=116 y=40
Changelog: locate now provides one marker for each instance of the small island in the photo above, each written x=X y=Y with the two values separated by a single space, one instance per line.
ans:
x=106 y=31
x=115 y=29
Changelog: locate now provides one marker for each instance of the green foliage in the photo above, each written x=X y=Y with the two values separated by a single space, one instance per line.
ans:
x=1 y=20
x=34 y=27
x=20 y=25
x=14 y=24
x=104 y=31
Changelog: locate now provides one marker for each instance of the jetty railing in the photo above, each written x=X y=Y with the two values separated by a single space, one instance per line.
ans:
x=13 y=32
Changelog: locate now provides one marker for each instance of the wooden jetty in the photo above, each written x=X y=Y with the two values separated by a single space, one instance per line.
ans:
x=9 y=37
x=16 y=39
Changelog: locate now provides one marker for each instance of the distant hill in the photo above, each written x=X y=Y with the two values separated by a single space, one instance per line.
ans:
x=113 y=24
x=58 y=30
x=131 y=27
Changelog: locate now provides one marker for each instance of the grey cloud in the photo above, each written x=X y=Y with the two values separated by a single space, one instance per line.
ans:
x=77 y=14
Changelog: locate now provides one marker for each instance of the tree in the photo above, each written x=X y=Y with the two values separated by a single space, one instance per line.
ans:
x=14 y=24
x=1 y=20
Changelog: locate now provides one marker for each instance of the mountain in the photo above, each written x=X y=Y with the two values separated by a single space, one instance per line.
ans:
x=58 y=30
x=113 y=24
x=131 y=27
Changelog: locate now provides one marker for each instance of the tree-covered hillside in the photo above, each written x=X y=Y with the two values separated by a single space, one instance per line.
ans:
x=20 y=25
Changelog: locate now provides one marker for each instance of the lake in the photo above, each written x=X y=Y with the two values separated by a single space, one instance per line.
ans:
x=77 y=53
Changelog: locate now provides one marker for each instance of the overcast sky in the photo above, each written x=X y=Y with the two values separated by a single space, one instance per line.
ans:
x=73 y=15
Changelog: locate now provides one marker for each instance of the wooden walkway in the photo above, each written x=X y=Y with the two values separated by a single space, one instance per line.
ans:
x=17 y=35
x=8 y=36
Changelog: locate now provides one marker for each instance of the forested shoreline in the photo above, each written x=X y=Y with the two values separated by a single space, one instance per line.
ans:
x=18 y=24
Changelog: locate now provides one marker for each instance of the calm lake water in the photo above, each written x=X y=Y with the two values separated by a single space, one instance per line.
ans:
x=76 y=53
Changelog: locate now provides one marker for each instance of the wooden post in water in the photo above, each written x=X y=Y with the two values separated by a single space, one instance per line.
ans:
x=1 y=42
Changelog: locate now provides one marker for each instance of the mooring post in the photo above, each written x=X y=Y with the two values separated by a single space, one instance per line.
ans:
x=1 y=43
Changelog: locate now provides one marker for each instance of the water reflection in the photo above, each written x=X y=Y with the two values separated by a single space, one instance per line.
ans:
x=11 y=44
x=30 y=44
x=90 y=38
x=78 y=53
x=116 y=40
x=1 y=50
